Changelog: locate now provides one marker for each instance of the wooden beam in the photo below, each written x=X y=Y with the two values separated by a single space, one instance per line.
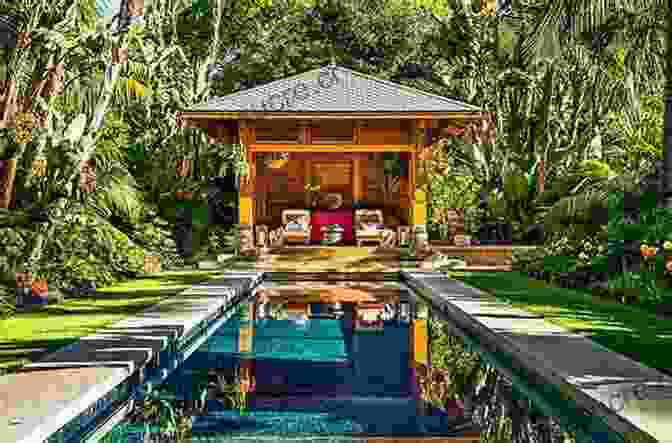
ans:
x=261 y=147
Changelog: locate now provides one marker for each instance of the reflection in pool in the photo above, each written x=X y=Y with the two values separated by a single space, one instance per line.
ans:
x=308 y=368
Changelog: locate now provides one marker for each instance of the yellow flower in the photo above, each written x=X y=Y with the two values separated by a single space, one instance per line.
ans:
x=667 y=245
x=135 y=88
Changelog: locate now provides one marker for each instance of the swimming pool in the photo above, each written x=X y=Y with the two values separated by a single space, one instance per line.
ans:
x=309 y=369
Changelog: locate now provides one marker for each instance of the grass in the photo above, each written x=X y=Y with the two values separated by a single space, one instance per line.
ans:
x=27 y=336
x=626 y=329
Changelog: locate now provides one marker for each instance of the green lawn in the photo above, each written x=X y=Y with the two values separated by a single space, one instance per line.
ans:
x=626 y=329
x=26 y=336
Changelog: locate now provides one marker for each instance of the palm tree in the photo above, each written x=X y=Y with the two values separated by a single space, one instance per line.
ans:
x=667 y=147
x=638 y=24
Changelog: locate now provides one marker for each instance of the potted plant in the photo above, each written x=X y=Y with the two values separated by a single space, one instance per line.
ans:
x=333 y=234
x=24 y=282
x=452 y=195
x=312 y=188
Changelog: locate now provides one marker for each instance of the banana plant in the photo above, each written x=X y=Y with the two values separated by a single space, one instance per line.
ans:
x=82 y=145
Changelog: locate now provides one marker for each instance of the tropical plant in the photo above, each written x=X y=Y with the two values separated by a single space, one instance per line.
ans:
x=158 y=411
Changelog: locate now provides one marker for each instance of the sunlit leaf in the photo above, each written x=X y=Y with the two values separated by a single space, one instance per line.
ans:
x=76 y=129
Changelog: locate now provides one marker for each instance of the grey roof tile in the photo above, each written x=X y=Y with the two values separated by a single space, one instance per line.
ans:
x=352 y=92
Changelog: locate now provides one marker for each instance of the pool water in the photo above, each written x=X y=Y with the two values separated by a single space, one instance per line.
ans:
x=314 y=375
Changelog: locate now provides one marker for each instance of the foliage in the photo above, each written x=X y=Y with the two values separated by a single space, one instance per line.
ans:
x=639 y=137
x=453 y=191
x=450 y=354
x=7 y=307
x=220 y=239
x=14 y=242
x=159 y=410
x=88 y=247
x=563 y=251
x=653 y=227
x=555 y=94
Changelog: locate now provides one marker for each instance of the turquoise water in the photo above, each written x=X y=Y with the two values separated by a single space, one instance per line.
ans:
x=317 y=377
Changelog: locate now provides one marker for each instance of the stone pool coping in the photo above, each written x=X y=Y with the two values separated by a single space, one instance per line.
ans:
x=588 y=373
x=43 y=396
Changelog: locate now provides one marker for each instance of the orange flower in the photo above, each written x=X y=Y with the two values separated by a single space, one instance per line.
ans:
x=40 y=287
x=648 y=251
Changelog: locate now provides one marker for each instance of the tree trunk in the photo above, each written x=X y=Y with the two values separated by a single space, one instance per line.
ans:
x=7 y=182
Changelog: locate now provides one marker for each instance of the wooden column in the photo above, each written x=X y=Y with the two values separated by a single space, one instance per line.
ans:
x=356 y=178
x=356 y=131
x=246 y=330
x=406 y=191
x=308 y=174
x=247 y=136
x=364 y=175
x=419 y=200
x=305 y=133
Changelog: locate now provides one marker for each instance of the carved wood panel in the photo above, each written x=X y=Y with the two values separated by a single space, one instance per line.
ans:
x=333 y=176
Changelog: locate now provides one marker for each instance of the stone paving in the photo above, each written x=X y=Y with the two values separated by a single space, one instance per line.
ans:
x=608 y=384
x=45 y=395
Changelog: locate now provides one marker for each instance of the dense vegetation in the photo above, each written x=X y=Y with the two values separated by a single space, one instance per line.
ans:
x=583 y=96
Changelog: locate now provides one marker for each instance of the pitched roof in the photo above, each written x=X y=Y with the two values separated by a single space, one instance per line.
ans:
x=333 y=88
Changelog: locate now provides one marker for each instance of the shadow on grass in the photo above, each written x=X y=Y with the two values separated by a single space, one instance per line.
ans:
x=15 y=354
x=126 y=295
x=628 y=330
x=86 y=315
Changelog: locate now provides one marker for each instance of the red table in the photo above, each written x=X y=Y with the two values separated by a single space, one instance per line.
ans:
x=323 y=217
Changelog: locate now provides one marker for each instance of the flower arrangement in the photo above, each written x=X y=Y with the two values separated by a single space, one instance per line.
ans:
x=648 y=251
